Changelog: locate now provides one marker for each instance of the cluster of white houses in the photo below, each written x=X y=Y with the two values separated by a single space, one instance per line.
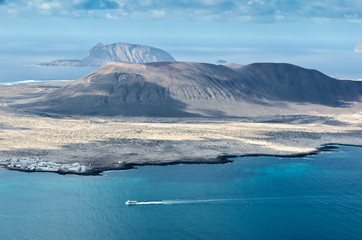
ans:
x=37 y=164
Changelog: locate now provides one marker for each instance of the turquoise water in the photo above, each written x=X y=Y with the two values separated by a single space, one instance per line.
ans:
x=315 y=197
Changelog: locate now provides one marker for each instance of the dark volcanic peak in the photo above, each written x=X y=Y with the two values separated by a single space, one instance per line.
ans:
x=102 y=54
x=287 y=82
x=177 y=89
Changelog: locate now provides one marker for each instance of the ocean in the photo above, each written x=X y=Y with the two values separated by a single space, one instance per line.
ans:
x=24 y=69
x=313 y=197
x=26 y=72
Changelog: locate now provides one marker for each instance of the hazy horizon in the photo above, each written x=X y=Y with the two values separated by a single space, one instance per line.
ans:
x=313 y=35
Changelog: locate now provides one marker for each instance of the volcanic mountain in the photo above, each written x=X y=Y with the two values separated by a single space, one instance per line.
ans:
x=185 y=89
x=102 y=54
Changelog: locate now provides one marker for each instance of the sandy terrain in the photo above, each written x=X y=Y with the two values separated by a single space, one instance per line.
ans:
x=122 y=142
x=105 y=142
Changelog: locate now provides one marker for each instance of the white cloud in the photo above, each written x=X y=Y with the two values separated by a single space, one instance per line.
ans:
x=254 y=2
x=44 y=5
x=211 y=2
x=349 y=11
x=145 y=3
x=111 y=16
x=157 y=13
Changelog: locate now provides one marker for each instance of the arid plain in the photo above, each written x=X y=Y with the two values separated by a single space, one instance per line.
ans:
x=121 y=142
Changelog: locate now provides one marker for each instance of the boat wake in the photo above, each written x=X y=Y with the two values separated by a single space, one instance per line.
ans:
x=173 y=202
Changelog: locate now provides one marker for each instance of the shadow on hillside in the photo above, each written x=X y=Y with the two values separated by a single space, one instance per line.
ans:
x=133 y=97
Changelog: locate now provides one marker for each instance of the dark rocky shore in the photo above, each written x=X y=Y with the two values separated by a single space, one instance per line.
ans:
x=79 y=169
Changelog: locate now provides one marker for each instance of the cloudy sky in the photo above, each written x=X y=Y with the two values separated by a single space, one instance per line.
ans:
x=313 y=34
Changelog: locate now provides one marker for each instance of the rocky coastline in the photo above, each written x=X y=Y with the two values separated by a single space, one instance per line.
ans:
x=36 y=164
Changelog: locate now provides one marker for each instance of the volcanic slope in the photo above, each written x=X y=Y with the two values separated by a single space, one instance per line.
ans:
x=102 y=54
x=185 y=89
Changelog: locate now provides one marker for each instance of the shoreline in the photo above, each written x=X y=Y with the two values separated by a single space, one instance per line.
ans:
x=327 y=147
x=101 y=143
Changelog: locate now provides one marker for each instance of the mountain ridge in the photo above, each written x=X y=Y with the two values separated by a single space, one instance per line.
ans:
x=102 y=54
x=186 y=89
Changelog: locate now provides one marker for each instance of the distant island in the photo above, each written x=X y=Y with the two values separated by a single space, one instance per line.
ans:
x=102 y=54
x=358 y=47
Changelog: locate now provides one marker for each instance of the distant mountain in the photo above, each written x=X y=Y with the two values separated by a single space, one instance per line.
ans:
x=358 y=47
x=234 y=65
x=221 y=62
x=178 y=89
x=102 y=54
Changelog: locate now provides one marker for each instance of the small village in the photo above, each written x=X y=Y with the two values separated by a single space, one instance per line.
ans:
x=38 y=165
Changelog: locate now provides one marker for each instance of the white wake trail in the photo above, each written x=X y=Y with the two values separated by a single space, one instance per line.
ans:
x=173 y=202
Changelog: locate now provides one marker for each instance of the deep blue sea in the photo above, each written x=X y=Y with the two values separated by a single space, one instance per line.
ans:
x=314 y=197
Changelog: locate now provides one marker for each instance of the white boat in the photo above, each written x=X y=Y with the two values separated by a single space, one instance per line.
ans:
x=131 y=202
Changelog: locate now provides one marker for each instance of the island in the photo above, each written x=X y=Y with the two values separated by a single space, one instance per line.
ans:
x=102 y=54
x=126 y=115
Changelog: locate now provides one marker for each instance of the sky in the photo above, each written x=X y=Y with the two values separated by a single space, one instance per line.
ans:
x=313 y=34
